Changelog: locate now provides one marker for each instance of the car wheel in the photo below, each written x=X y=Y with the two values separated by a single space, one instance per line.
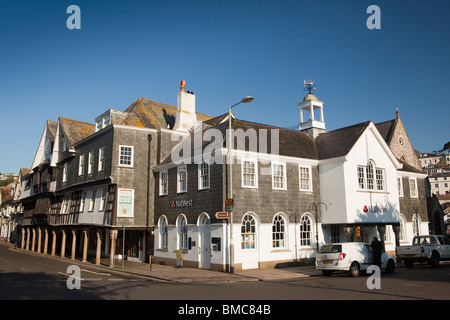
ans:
x=354 y=269
x=390 y=267
x=434 y=261
x=327 y=273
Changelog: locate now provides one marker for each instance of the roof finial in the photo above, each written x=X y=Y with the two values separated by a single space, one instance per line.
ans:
x=397 y=113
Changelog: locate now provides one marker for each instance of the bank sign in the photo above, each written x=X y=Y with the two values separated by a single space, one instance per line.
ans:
x=182 y=203
x=374 y=209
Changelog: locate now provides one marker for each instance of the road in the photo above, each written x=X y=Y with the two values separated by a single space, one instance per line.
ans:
x=25 y=276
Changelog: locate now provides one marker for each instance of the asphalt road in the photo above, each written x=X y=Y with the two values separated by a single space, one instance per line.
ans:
x=32 y=277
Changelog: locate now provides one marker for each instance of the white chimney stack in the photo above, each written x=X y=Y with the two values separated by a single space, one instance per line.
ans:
x=185 y=117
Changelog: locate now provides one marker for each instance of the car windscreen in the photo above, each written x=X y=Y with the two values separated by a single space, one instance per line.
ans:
x=331 y=248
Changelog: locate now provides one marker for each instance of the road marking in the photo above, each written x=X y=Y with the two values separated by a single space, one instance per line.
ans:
x=98 y=273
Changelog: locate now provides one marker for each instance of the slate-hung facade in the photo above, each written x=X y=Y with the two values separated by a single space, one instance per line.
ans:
x=102 y=183
x=298 y=190
x=345 y=185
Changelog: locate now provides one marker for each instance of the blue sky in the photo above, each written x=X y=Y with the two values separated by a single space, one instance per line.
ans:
x=225 y=50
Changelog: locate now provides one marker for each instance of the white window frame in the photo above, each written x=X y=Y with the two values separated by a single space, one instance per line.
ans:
x=306 y=236
x=283 y=165
x=182 y=228
x=163 y=232
x=255 y=162
x=416 y=194
x=309 y=178
x=122 y=157
x=180 y=182
x=163 y=192
x=204 y=178
x=400 y=186
x=378 y=180
x=91 y=207
x=81 y=164
x=65 y=172
x=279 y=232
x=101 y=159
x=103 y=200
x=83 y=202
x=91 y=162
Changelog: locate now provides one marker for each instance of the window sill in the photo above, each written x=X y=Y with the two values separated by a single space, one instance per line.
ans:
x=373 y=191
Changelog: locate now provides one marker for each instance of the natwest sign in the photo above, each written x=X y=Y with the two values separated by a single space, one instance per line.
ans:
x=182 y=203
x=374 y=209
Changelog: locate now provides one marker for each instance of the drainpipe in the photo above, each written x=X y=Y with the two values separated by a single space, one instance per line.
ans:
x=149 y=168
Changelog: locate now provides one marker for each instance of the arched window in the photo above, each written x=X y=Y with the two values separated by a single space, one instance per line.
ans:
x=278 y=232
x=182 y=233
x=163 y=234
x=248 y=232
x=306 y=230
x=416 y=224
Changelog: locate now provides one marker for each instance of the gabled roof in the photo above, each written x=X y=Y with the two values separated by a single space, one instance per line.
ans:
x=339 y=142
x=386 y=129
x=147 y=113
x=292 y=143
x=75 y=130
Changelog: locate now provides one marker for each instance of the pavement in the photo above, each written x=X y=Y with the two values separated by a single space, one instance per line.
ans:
x=187 y=275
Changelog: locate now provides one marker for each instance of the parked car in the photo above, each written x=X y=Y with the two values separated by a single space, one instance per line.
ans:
x=353 y=257
x=430 y=249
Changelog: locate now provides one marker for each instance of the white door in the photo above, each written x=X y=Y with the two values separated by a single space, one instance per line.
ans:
x=205 y=243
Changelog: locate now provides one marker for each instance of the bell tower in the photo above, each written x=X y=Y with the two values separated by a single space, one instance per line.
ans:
x=315 y=124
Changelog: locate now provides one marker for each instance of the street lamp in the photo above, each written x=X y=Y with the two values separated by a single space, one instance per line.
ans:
x=247 y=99
x=311 y=206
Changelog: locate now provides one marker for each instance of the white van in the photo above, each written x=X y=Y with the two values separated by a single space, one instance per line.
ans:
x=350 y=256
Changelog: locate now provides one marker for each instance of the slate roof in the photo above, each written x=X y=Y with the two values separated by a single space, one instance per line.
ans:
x=386 y=129
x=51 y=126
x=147 y=113
x=75 y=130
x=292 y=143
x=339 y=142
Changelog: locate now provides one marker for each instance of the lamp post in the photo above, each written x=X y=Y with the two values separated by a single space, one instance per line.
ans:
x=247 y=99
x=316 y=212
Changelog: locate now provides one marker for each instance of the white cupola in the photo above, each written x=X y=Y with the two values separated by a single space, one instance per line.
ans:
x=311 y=104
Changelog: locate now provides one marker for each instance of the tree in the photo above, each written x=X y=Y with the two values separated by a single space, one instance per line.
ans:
x=7 y=181
x=446 y=147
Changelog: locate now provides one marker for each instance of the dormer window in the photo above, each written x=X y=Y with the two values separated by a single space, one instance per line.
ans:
x=102 y=122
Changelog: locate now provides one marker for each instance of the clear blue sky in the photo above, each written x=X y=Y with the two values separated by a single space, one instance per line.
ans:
x=224 y=50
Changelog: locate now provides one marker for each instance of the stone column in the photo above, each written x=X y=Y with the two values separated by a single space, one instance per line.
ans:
x=74 y=244
x=33 y=239
x=39 y=245
x=53 y=242
x=99 y=247
x=63 y=243
x=22 y=244
x=382 y=232
x=397 y=239
x=45 y=241
x=85 y=245
x=113 y=234
x=27 y=247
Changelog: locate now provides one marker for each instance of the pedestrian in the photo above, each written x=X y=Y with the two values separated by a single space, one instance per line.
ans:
x=377 y=249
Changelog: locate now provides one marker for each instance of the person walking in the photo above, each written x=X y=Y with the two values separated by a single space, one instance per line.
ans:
x=377 y=250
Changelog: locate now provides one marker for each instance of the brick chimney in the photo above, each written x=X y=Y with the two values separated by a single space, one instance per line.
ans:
x=185 y=117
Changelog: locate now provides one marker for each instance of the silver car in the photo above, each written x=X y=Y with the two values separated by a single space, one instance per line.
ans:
x=353 y=257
